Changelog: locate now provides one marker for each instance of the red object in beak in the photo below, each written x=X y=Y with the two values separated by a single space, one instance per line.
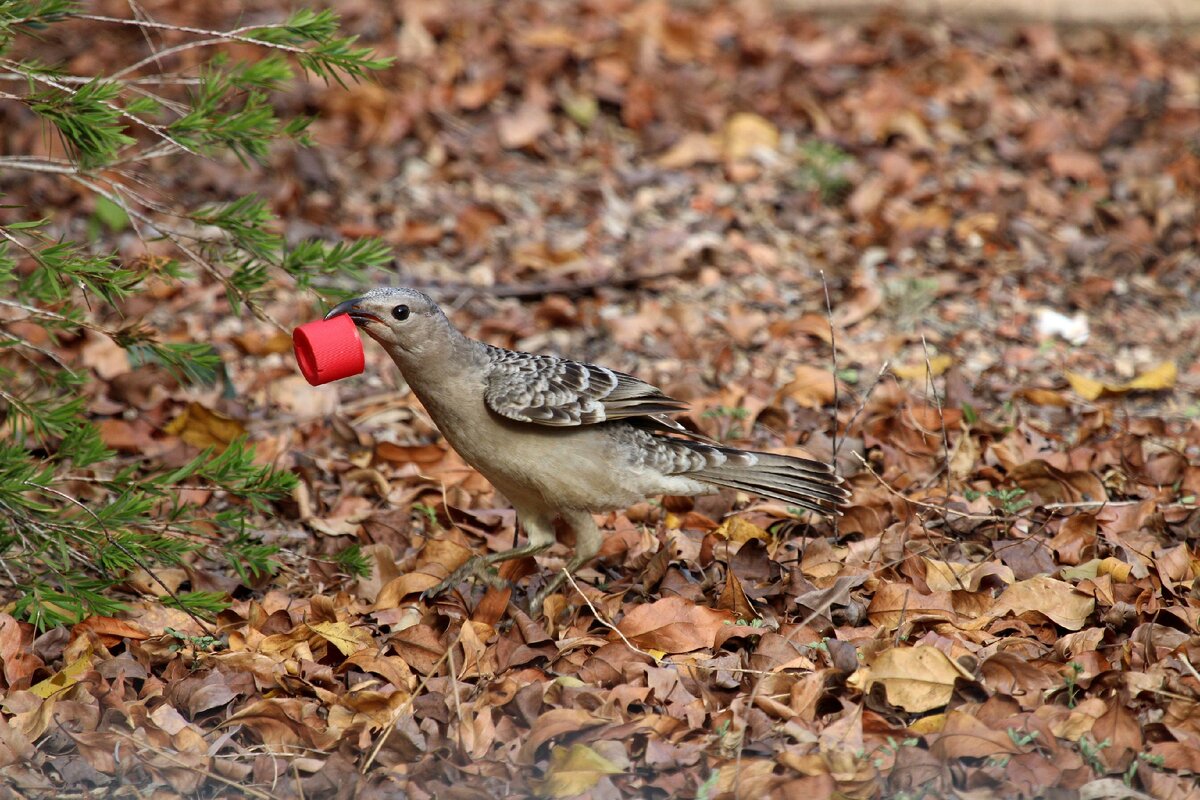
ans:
x=328 y=349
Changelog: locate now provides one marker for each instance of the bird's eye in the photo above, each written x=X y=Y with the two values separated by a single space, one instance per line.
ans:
x=401 y=312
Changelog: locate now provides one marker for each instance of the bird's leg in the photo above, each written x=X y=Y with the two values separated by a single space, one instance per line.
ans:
x=588 y=539
x=541 y=536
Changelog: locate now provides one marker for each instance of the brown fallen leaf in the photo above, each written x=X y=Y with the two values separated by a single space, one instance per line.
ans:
x=524 y=126
x=810 y=387
x=111 y=631
x=964 y=736
x=674 y=625
x=733 y=598
x=1057 y=600
x=694 y=148
x=1042 y=397
x=949 y=576
x=105 y=356
x=555 y=723
x=1120 y=728
x=262 y=342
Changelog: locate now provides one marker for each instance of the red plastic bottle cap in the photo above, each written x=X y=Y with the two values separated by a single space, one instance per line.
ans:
x=328 y=349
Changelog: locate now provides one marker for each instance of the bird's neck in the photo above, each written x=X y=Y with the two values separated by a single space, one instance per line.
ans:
x=439 y=377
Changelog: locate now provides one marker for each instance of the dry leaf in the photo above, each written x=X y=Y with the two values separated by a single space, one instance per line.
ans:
x=574 y=770
x=746 y=133
x=693 y=148
x=64 y=679
x=739 y=530
x=201 y=427
x=1157 y=378
x=934 y=366
x=524 y=126
x=1061 y=602
x=949 y=576
x=345 y=638
x=674 y=625
x=810 y=387
x=917 y=679
x=733 y=598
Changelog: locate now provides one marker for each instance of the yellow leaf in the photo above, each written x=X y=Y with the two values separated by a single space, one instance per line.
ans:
x=745 y=133
x=202 y=427
x=1058 y=600
x=1085 y=387
x=914 y=678
x=1116 y=568
x=1154 y=379
x=935 y=366
x=738 y=530
x=340 y=635
x=65 y=678
x=575 y=770
x=931 y=724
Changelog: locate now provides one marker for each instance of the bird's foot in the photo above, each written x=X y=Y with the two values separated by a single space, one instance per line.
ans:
x=478 y=567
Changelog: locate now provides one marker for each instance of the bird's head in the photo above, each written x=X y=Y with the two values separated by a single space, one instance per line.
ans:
x=406 y=322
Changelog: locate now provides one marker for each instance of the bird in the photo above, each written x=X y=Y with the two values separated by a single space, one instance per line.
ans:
x=563 y=439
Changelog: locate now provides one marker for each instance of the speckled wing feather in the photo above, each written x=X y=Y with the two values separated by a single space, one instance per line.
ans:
x=548 y=390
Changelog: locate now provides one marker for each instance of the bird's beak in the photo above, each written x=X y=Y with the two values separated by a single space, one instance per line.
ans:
x=350 y=307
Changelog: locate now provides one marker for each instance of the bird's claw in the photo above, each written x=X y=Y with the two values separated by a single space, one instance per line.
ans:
x=478 y=567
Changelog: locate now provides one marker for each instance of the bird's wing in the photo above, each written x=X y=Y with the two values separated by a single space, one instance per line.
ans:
x=548 y=390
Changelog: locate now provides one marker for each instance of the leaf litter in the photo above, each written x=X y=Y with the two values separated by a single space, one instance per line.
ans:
x=1009 y=607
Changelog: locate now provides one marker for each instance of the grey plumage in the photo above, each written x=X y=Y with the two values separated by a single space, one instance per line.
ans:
x=557 y=391
x=562 y=439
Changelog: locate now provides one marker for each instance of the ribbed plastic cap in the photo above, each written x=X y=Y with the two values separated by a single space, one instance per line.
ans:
x=328 y=349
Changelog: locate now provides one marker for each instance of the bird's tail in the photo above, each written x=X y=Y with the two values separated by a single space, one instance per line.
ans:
x=800 y=482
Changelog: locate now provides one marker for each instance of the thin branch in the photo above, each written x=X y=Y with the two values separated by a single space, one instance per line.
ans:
x=25 y=343
x=604 y=620
x=870 y=390
x=175 y=237
x=79 y=80
x=132 y=556
x=34 y=164
x=41 y=312
x=937 y=400
x=157 y=130
x=215 y=37
x=407 y=704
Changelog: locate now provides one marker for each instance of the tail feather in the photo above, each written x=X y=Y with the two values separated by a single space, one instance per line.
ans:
x=788 y=484
x=799 y=481
x=800 y=500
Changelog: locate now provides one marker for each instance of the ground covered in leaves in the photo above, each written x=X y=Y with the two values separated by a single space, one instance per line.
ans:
x=1006 y=223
